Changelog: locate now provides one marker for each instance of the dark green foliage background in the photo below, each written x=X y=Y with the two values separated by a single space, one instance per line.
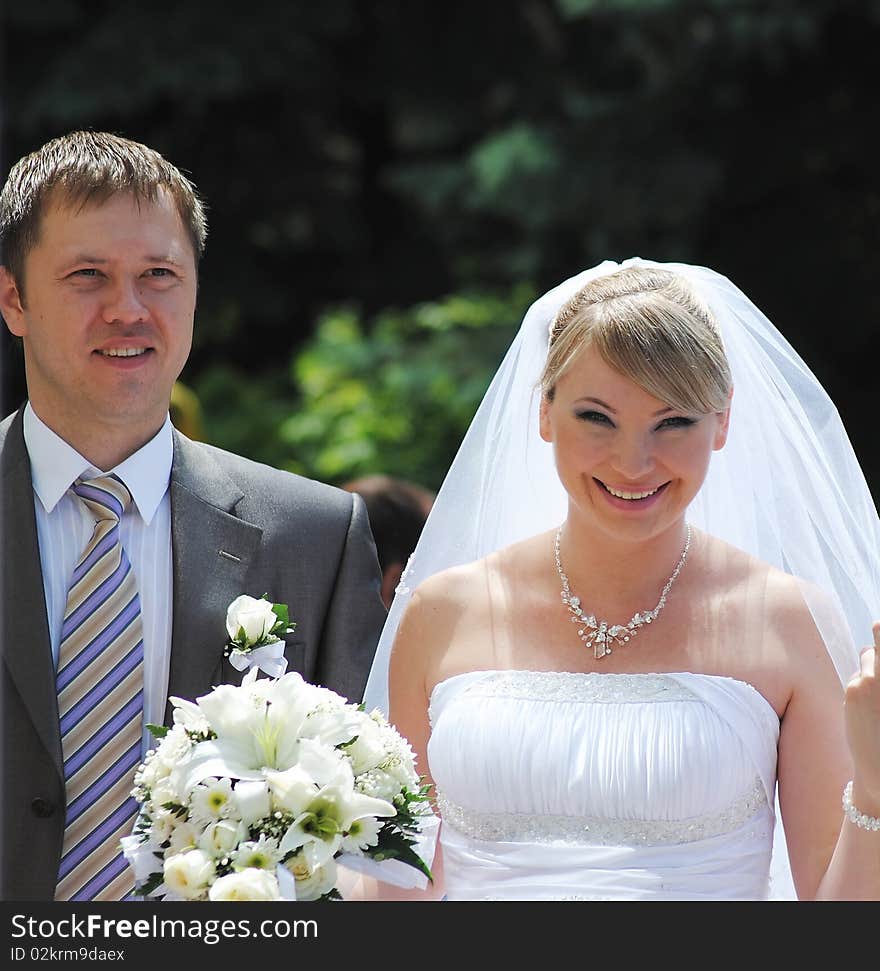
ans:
x=390 y=183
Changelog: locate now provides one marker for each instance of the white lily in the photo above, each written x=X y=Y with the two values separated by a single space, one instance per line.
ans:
x=321 y=825
x=258 y=729
x=321 y=762
x=292 y=790
x=188 y=715
x=334 y=725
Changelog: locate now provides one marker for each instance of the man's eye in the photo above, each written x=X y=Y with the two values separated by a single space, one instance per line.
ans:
x=86 y=271
x=159 y=271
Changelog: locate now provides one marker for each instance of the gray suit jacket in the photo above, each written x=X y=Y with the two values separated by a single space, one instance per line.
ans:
x=300 y=542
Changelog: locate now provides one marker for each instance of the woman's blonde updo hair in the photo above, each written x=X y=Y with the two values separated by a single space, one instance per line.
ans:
x=649 y=325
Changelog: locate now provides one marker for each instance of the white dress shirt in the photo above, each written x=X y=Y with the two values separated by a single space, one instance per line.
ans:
x=64 y=527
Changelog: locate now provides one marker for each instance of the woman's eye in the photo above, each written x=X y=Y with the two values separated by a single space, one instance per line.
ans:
x=679 y=421
x=597 y=417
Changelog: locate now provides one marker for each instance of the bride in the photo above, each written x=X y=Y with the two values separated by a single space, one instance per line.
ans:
x=631 y=630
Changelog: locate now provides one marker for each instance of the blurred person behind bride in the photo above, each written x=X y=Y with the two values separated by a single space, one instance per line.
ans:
x=616 y=660
x=397 y=510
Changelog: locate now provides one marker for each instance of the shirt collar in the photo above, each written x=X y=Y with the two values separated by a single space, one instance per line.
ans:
x=55 y=465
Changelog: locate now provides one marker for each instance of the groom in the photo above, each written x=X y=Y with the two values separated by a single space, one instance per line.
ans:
x=114 y=592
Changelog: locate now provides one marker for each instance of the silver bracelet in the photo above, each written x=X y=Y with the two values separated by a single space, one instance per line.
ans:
x=862 y=820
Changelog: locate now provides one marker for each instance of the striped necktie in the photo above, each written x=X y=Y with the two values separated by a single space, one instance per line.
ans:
x=100 y=685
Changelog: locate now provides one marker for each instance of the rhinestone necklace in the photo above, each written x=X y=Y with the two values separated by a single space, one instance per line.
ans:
x=600 y=635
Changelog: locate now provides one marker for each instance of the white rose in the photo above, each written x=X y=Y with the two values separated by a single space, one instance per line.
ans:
x=255 y=617
x=188 y=874
x=368 y=751
x=312 y=883
x=184 y=836
x=220 y=838
x=253 y=800
x=248 y=884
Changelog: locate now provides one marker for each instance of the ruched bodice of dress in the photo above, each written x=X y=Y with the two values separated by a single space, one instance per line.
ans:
x=559 y=785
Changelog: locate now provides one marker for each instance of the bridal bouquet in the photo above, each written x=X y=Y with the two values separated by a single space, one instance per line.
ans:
x=260 y=789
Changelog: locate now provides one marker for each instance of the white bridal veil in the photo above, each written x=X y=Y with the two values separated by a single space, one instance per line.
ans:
x=786 y=487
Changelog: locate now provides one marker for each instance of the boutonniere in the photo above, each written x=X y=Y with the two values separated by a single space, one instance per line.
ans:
x=255 y=627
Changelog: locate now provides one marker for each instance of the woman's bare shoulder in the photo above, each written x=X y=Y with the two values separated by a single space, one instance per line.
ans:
x=789 y=607
x=468 y=585
x=456 y=612
x=783 y=593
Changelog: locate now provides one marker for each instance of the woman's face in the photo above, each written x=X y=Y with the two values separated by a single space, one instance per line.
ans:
x=629 y=463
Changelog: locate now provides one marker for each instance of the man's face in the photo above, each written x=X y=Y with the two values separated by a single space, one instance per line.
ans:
x=106 y=316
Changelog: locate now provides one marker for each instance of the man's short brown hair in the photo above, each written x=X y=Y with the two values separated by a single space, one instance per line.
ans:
x=84 y=167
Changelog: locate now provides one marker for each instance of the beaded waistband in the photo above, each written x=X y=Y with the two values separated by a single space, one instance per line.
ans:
x=599 y=831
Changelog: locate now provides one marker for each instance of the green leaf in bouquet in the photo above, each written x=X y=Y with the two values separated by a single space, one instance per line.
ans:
x=411 y=805
x=142 y=826
x=157 y=731
x=177 y=808
x=153 y=881
x=394 y=844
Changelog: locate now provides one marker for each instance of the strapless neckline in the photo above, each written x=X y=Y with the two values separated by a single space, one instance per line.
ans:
x=573 y=676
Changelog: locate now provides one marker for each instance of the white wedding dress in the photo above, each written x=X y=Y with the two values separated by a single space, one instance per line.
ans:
x=566 y=786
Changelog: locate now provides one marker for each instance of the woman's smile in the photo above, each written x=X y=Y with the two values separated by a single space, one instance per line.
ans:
x=629 y=498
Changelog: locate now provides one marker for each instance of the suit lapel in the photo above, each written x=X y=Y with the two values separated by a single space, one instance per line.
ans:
x=211 y=550
x=24 y=628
